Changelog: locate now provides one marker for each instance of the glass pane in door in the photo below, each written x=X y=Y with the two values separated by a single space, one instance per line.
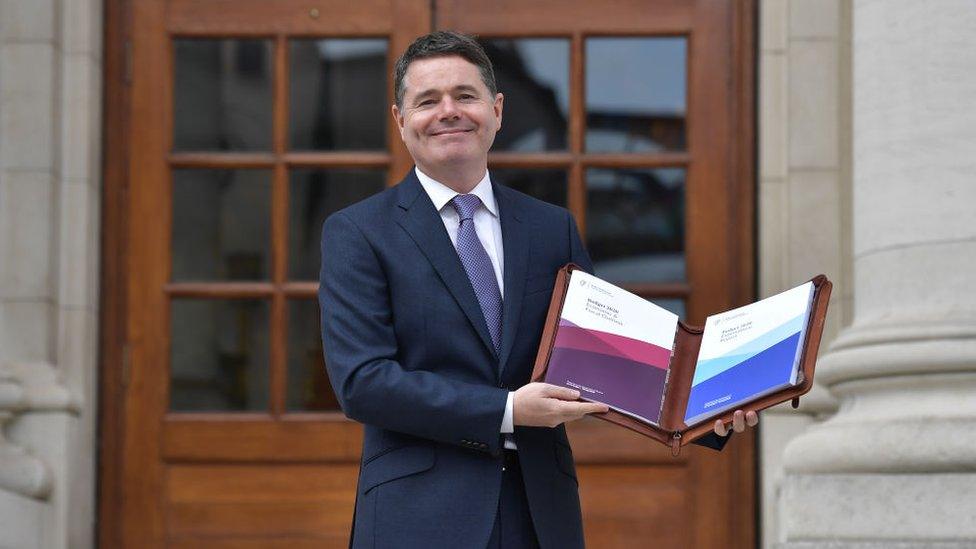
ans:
x=533 y=75
x=338 y=94
x=222 y=94
x=218 y=355
x=636 y=96
x=635 y=224
x=308 y=384
x=547 y=185
x=221 y=225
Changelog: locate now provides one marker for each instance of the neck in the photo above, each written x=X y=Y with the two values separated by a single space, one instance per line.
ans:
x=460 y=179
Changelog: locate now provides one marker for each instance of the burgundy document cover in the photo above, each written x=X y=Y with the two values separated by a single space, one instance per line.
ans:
x=623 y=383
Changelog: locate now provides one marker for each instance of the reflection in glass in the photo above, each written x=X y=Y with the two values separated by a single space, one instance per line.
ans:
x=218 y=355
x=636 y=94
x=314 y=194
x=533 y=75
x=635 y=228
x=338 y=94
x=221 y=224
x=222 y=94
x=308 y=383
x=547 y=185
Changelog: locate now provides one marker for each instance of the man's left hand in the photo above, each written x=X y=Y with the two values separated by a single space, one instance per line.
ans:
x=740 y=420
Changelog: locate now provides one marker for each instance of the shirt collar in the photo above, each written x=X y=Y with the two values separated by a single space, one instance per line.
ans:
x=440 y=194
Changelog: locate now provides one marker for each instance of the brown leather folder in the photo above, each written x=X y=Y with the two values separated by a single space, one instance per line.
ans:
x=673 y=431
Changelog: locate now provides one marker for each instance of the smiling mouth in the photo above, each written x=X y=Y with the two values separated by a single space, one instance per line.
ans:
x=453 y=131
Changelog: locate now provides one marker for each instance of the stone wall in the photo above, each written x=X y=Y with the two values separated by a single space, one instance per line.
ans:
x=896 y=465
x=50 y=138
x=804 y=193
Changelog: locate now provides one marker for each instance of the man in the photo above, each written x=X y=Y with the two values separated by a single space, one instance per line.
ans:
x=433 y=296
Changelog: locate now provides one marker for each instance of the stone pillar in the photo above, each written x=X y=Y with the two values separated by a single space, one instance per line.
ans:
x=50 y=141
x=896 y=466
x=804 y=194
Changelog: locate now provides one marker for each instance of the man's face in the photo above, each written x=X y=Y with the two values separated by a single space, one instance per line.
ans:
x=449 y=118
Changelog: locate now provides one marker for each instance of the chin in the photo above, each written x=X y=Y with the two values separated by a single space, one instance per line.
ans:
x=455 y=156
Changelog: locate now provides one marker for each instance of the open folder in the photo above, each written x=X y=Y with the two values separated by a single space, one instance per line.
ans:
x=670 y=381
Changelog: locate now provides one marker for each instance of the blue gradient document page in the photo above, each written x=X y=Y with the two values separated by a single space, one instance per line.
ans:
x=749 y=352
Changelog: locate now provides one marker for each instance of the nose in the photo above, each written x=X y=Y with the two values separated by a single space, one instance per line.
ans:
x=448 y=109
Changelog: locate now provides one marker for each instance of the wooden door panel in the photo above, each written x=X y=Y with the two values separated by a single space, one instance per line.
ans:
x=269 y=477
x=294 y=17
x=242 y=520
x=220 y=501
x=326 y=438
x=636 y=506
x=556 y=17
x=285 y=542
x=190 y=483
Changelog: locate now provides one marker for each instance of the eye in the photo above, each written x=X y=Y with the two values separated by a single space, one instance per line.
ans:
x=465 y=96
x=425 y=102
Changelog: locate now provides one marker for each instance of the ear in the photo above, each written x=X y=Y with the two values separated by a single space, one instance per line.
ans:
x=497 y=107
x=397 y=118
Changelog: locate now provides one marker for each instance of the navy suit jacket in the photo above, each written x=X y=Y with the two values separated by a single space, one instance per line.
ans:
x=409 y=355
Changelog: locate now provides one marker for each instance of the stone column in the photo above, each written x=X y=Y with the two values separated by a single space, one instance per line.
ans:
x=50 y=141
x=896 y=466
x=804 y=194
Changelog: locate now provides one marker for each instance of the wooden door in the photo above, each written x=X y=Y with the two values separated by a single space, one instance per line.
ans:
x=636 y=115
x=233 y=128
x=247 y=123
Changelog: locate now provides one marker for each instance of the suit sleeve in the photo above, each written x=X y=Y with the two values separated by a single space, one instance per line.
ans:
x=579 y=256
x=712 y=440
x=361 y=355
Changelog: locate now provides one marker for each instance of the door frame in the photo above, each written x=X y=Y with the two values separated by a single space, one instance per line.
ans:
x=112 y=355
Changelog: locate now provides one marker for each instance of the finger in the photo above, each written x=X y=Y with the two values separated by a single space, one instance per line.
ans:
x=720 y=428
x=570 y=411
x=752 y=419
x=595 y=408
x=562 y=393
x=567 y=411
x=738 y=421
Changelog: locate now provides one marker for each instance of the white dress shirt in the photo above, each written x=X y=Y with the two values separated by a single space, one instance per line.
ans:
x=488 y=227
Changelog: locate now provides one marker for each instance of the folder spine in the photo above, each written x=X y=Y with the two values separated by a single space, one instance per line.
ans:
x=667 y=386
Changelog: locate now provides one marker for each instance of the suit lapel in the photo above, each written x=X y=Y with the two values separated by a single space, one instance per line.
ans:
x=515 y=243
x=423 y=223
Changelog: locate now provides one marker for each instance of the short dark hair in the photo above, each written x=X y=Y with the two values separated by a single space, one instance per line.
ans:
x=443 y=44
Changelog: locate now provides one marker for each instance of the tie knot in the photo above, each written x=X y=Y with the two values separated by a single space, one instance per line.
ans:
x=466 y=204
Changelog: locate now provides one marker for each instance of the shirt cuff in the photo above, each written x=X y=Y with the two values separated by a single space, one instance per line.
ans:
x=508 y=419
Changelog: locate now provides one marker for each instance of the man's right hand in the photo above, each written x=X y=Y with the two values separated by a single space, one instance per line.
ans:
x=545 y=405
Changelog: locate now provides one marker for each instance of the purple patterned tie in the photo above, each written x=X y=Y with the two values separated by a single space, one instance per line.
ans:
x=478 y=265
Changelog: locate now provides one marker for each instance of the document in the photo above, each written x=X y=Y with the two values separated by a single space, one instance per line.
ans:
x=617 y=348
x=749 y=352
x=613 y=347
x=665 y=379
